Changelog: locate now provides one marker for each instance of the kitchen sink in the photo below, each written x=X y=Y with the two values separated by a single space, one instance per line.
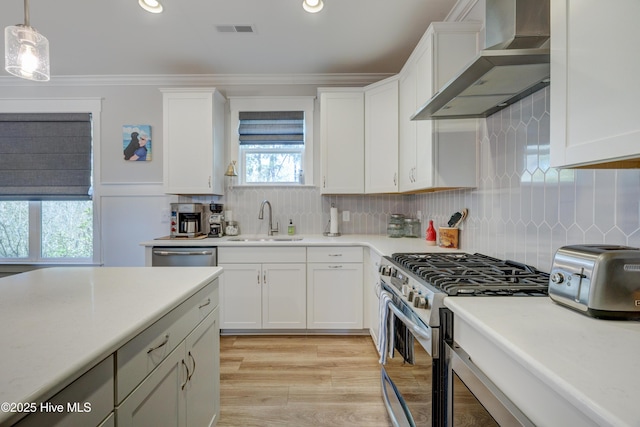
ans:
x=265 y=239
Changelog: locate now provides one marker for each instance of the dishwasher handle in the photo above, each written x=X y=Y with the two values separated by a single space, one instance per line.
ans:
x=170 y=253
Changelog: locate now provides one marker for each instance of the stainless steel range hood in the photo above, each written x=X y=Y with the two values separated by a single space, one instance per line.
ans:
x=516 y=64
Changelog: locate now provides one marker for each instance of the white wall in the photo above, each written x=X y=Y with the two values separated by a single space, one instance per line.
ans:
x=129 y=195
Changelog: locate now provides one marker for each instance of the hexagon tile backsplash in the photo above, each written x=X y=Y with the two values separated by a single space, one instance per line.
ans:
x=522 y=210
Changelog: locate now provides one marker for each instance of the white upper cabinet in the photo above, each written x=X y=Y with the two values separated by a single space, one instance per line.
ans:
x=594 y=83
x=381 y=136
x=193 y=129
x=436 y=155
x=342 y=140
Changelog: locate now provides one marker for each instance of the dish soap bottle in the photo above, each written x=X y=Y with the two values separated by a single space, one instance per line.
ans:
x=431 y=234
x=291 y=229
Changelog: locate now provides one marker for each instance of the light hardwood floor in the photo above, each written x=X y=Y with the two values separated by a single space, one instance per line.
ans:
x=300 y=381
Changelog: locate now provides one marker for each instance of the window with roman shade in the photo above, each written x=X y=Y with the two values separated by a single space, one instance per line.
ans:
x=272 y=145
x=45 y=156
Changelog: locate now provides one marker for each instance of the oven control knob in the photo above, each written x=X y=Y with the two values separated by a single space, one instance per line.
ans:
x=557 y=278
x=393 y=272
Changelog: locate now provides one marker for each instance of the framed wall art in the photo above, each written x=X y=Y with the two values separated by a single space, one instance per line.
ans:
x=136 y=143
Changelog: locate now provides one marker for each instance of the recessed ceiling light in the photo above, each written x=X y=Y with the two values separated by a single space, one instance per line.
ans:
x=152 y=6
x=312 y=6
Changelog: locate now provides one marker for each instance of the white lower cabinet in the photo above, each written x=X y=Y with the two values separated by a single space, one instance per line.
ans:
x=202 y=358
x=169 y=374
x=334 y=288
x=263 y=288
x=158 y=400
x=371 y=292
x=182 y=390
x=94 y=388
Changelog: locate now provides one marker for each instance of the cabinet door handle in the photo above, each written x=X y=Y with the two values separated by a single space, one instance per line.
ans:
x=209 y=183
x=335 y=266
x=206 y=303
x=395 y=179
x=162 y=344
x=258 y=277
x=335 y=254
x=193 y=370
x=187 y=377
x=264 y=278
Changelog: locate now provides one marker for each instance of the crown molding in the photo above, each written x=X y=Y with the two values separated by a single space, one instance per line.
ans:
x=342 y=79
x=460 y=10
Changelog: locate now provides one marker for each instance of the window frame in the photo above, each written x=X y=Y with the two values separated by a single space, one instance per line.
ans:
x=61 y=105
x=271 y=103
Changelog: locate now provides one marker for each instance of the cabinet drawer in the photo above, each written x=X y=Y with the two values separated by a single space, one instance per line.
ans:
x=140 y=356
x=86 y=401
x=335 y=254
x=253 y=254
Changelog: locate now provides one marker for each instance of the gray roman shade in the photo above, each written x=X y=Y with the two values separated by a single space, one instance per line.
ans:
x=271 y=127
x=45 y=156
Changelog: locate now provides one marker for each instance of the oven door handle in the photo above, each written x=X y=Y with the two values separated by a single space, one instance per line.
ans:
x=395 y=404
x=420 y=332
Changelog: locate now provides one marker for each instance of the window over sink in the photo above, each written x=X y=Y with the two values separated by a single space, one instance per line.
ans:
x=273 y=139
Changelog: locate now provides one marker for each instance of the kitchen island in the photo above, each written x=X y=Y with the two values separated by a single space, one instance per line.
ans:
x=60 y=324
x=559 y=367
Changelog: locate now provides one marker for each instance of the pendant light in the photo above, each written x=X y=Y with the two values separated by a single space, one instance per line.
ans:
x=152 y=6
x=312 y=6
x=26 y=52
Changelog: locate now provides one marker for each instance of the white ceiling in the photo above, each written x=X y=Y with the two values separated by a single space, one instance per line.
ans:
x=117 y=37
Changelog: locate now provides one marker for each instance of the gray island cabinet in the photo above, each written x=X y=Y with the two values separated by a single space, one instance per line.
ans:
x=110 y=346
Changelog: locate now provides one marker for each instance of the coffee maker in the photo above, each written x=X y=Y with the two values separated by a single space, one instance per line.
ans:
x=216 y=220
x=187 y=220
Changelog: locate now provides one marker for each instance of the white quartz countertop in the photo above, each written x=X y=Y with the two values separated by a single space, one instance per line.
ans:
x=382 y=244
x=56 y=323
x=593 y=364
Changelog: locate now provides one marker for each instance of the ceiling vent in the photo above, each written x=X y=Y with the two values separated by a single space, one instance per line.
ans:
x=235 y=28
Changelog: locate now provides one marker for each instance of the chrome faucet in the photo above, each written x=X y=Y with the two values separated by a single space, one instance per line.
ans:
x=261 y=216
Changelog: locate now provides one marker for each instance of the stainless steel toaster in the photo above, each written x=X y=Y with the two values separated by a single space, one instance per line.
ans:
x=598 y=280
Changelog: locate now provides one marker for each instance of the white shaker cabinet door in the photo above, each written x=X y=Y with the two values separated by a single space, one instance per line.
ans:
x=193 y=146
x=159 y=400
x=594 y=83
x=241 y=296
x=342 y=141
x=284 y=296
x=335 y=296
x=203 y=361
x=381 y=137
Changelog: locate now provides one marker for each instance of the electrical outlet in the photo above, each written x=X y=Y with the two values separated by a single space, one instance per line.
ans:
x=165 y=215
x=346 y=216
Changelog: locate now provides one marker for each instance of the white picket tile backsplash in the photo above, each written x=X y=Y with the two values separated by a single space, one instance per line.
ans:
x=522 y=209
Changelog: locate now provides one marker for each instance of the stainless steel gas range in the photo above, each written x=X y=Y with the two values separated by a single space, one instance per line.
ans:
x=413 y=287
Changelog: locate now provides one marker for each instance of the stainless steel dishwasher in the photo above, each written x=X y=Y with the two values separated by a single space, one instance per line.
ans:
x=184 y=256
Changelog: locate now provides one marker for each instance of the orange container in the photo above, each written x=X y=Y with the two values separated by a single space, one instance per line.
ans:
x=448 y=237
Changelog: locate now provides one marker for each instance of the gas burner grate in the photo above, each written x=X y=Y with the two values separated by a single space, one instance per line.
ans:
x=475 y=274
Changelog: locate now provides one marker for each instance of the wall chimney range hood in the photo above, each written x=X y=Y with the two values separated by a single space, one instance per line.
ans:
x=515 y=66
